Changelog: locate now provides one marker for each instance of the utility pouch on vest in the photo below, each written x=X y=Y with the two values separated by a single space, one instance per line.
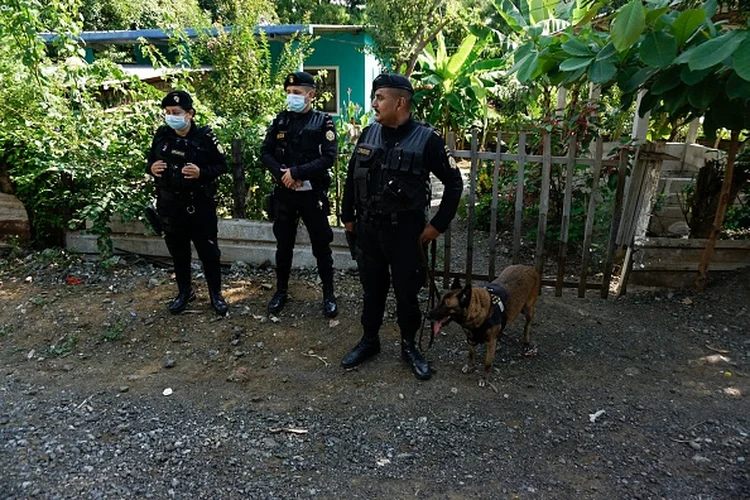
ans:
x=366 y=156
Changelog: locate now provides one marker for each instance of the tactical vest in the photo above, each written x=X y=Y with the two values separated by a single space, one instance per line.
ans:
x=387 y=181
x=176 y=152
x=297 y=147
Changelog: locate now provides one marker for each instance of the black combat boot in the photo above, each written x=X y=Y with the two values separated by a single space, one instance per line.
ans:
x=368 y=347
x=186 y=293
x=330 y=308
x=219 y=304
x=213 y=278
x=411 y=355
x=180 y=302
x=277 y=302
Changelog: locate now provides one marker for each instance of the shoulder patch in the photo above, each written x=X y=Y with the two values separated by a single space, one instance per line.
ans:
x=451 y=160
x=215 y=141
x=330 y=136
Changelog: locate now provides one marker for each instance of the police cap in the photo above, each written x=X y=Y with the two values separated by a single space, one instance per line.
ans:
x=178 y=98
x=392 y=81
x=300 y=78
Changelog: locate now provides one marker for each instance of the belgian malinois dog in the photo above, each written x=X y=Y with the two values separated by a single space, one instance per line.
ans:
x=484 y=312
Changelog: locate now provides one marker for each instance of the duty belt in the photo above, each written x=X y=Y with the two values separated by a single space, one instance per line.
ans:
x=390 y=220
x=167 y=195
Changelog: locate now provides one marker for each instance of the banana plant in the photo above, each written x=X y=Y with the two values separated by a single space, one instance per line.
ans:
x=452 y=88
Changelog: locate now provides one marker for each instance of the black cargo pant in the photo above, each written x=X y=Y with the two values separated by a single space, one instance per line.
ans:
x=289 y=207
x=389 y=251
x=193 y=220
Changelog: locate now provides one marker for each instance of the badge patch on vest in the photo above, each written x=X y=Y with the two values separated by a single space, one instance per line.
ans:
x=330 y=135
x=177 y=152
x=280 y=135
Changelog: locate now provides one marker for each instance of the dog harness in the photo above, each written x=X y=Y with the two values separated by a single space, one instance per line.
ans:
x=499 y=297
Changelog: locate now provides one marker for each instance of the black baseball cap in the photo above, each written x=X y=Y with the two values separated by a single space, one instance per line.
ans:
x=392 y=81
x=300 y=78
x=178 y=98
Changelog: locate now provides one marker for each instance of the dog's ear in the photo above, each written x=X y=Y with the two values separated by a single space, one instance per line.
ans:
x=464 y=298
x=456 y=285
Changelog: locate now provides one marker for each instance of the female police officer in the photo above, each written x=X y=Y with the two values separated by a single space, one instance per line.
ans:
x=185 y=161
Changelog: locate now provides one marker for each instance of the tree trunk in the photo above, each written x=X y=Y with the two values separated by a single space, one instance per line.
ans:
x=721 y=211
x=704 y=201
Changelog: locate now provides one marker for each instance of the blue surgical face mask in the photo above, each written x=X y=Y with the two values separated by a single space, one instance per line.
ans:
x=295 y=103
x=177 y=122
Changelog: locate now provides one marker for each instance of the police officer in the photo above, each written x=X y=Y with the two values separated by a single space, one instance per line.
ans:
x=185 y=161
x=386 y=202
x=299 y=148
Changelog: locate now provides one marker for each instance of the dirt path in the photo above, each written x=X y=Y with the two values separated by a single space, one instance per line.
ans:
x=262 y=409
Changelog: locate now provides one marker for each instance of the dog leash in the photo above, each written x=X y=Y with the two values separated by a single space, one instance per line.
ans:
x=433 y=294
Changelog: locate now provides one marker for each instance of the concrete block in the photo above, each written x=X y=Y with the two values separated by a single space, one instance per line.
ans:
x=239 y=240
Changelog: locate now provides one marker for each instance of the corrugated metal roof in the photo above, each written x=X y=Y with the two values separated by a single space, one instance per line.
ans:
x=159 y=35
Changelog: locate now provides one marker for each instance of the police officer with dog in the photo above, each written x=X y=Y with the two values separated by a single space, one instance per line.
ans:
x=299 y=148
x=185 y=161
x=385 y=209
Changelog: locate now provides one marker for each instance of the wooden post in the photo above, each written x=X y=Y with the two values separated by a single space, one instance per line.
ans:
x=472 y=201
x=493 y=214
x=721 y=210
x=238 y=175
x=591 y=212
x=544 y=201
x=447 y=233
x=518 y=222
x=565 y=224
x=640 y=125
x=617 y=214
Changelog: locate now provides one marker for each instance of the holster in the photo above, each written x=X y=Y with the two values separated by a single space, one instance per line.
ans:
x=351 y=240
x=271 y=207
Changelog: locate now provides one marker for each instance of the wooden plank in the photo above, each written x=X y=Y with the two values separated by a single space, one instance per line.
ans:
x=493 y=213
x=513 y=157
x=615 y=227
x=545 y=282
x=472 y=202
x=565 y=224
x=447 y=233
x=544 y=201
x=590 y=213
x=697 y=243
x=518 y=222
x=238 y=176
x=691 y=267
x=631 y=200
x=642 y=193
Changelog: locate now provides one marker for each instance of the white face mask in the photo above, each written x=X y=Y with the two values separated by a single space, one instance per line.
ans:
x=296 y=103
x=177 y=122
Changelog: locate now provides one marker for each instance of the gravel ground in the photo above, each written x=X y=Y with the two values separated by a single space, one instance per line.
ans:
x=644 y=396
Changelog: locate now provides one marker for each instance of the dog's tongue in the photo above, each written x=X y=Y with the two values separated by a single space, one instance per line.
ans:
x=436 y=325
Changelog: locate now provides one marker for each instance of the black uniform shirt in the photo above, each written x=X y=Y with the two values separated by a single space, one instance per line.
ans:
x=208 y=156
x=324 y=147
x=437 y=160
